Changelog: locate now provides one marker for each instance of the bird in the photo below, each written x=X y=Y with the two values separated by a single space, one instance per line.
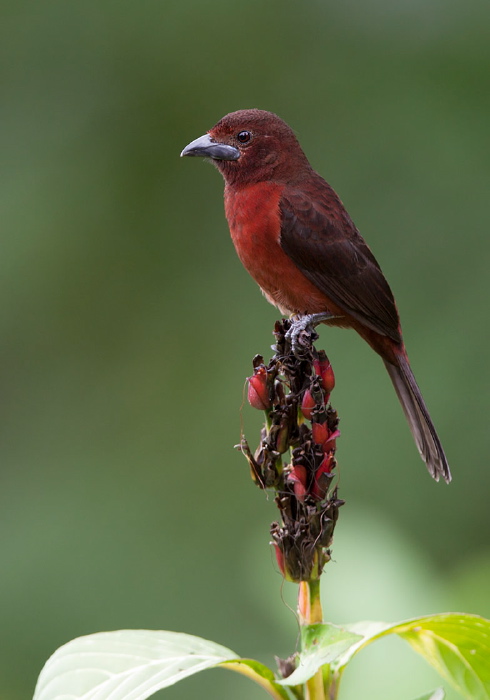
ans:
x=294 y=236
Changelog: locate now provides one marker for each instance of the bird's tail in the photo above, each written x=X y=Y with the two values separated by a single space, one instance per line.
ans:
x=422 y=428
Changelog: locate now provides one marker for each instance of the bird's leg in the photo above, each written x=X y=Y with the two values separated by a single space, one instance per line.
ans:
x=302 y=330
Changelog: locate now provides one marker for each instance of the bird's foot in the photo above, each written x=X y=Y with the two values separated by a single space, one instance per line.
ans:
x=302 y=334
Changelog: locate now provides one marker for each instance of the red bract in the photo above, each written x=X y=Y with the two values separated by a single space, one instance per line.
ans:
x=258 y=390
x=308 y=404
x=320 y=433
x=298 y=477
x=280 y=559
x=331 y=443
x=320 y=485
x=323 y=369
x=326 y=466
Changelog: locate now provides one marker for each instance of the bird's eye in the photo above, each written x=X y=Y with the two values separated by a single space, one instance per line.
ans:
x=244 y=136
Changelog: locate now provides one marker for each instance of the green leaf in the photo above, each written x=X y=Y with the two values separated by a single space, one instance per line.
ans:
x=260 y=674
x=321 y=644
x=458 y=646
x=438 y=694
x=455 y=644
x=128 y=664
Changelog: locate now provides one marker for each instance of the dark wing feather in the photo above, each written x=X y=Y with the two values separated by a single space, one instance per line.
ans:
x=322 y=241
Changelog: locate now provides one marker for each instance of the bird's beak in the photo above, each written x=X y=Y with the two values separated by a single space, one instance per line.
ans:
x=206 y=147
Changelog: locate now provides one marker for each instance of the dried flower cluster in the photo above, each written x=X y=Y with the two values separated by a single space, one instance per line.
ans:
x=294 y=392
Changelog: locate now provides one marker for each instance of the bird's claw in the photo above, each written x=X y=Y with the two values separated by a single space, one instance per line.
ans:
x=301 y=333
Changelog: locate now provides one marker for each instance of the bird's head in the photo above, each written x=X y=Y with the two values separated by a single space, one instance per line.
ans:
x=251 y=146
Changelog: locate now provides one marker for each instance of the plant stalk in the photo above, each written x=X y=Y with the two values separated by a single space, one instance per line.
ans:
x=310 y=613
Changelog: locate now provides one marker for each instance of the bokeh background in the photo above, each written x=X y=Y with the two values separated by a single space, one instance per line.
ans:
x=127 y=325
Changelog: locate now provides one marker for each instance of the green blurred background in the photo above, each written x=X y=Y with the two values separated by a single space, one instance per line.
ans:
x=128 y=324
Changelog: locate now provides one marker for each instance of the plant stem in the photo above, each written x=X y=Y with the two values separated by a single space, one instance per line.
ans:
x=309 y=603
x=310 y=613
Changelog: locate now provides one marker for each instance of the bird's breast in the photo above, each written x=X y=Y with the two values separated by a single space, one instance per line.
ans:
x=254 y=219
x=255 y=226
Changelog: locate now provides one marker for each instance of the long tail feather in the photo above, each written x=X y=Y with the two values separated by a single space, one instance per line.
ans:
x=422 y=428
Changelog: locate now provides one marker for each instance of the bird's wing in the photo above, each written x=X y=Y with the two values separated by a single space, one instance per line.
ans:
x=323 y=242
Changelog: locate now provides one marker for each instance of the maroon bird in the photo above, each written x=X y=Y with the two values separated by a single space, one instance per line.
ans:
x=295 y=238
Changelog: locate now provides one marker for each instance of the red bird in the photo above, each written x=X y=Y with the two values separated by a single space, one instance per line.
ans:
x=295 y=238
